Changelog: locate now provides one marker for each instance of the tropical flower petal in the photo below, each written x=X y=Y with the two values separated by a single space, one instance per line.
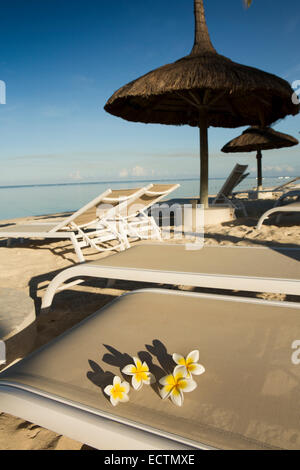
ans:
x=196 y=369
x=114 y=401
x=167 y=380
x=117 y=380
x=124 y=399
x=193 y=357
x=189 y=385
x=137 y=384
x=179 y=372
x=137 y=362
x=144 y=367
x=164 y=393
x=177 y=397
x=179 y=359
x=108 y=389
x=129 y=370
x=126 y=387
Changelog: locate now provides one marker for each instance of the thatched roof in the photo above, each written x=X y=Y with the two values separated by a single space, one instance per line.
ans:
x=204 y=83
x=254 y=138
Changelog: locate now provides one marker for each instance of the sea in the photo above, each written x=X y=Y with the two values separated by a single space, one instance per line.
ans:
x=43 y=199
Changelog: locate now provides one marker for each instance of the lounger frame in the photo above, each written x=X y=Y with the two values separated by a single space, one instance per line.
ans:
x=200 y=279
x=86 y=424
x=95 y=233
x=293 y=207
x=234 y=179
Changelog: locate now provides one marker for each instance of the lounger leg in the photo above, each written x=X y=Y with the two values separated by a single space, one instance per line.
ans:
x=125 y=242
x=265 y=216
x=244 y=209
x=56 y=283
x=156 y=228
x=8 y=243
x=77 y=248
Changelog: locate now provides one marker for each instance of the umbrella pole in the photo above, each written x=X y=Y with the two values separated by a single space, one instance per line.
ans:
x=203 y=163
x=259 y=170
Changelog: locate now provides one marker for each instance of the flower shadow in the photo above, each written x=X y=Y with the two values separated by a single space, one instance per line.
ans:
x=159 y=350
x=117 y=359
x=99 y=377
x=155 y=351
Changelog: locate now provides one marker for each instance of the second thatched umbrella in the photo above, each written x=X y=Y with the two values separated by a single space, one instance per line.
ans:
x=204 y=89
x=256 y=139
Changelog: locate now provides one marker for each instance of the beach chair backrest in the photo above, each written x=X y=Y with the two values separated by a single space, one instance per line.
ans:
x=151 y=196
x=84 y=215
x=235 y=177
x=286 y=184
x=117 y=201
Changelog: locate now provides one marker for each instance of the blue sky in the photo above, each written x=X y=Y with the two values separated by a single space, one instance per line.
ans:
x=61 y=60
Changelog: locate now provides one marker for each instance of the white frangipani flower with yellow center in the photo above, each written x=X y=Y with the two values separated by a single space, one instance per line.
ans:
x=176 y=384
x=140 y=373
x=190 y=363
x=118 y=392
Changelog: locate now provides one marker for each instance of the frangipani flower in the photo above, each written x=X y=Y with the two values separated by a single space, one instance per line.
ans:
x=190 y=363
x=140 y=373
x=176 y=384
x=118 y=392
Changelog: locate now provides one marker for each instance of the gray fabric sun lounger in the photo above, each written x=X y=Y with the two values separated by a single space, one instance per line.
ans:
x=236 y=268
x=248 y=397
x=293 y=207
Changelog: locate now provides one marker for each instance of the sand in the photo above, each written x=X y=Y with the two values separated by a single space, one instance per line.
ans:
x=29 y=267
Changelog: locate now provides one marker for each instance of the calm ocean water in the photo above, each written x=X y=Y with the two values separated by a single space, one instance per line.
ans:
x=21 y=201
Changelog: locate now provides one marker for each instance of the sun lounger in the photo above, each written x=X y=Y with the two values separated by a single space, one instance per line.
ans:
x=295 y=193
x=293 y=207
x=137 y=222
x=225 y=194
x=248 y=397
x=89 y=226
x=242 y=268
x=283 y=188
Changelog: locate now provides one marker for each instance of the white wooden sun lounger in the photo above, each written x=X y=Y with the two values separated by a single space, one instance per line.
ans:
x=242 y=268
x=247 y=399
x=92 y=225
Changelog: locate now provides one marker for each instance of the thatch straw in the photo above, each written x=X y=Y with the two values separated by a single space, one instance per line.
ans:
x=204 y=89
x=257 y=139
x=254 y=139
x=229 y=94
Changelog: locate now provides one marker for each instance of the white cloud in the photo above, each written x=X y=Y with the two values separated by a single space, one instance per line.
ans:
x=138 y=171
x=279 y=169
x=124 y=173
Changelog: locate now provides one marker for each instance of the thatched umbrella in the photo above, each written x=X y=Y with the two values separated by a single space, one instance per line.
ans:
x=257 y=139
x=204 y=89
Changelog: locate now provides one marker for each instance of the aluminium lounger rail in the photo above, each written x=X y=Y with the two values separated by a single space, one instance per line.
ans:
x=248 y=397
x=290 y=208
x=236 y=268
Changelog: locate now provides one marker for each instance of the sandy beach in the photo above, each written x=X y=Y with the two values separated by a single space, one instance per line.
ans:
x=29 y=267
